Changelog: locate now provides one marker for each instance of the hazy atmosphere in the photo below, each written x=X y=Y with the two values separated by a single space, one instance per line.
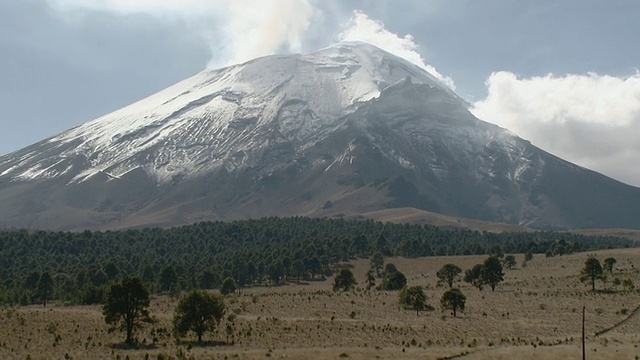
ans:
x=562 y=74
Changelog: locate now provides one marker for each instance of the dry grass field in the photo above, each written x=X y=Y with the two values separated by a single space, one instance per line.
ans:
x=535 y=313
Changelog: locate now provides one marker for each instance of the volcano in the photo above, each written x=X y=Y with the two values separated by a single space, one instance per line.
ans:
x=345 y=130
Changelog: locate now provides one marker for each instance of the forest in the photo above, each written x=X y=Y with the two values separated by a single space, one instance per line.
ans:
x=76 y=267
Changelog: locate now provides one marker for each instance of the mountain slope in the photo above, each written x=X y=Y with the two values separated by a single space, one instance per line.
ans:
x=349 y=128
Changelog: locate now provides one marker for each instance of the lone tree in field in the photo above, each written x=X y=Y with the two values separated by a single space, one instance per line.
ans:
x=344 y=280
x=474 y=276
x=453 y=300
x=198 y=311
x=591 y=271
x=609 y=263
x=510 y=262
x=126 y=305
x=448 y=273
x=492 y=272
x=413 y=297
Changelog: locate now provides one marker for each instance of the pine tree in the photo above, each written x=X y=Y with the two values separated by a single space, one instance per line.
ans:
x=198 y=311
x=126 y=305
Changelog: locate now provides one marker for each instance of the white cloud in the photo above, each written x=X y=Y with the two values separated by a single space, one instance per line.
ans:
x=236 y=31
x=363 y=28
x=591 y=120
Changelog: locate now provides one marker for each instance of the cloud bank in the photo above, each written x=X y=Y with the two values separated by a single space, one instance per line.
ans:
x=592 y=120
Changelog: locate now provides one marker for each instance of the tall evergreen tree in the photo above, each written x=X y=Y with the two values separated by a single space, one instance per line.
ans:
x=377 y=262
x=492 y=273
x=453 y=300
x=609 y=263
x=510 y=262
x=474 y=276
x=448 y=273
x=591 y=271
x=393 y=279
x=344 y=280
x=298 y=268
x=126 y=305
x=198 y=311
x=45 y=287
x=371 y=280
x=168 y=278
x=414 y=297
x=31 y=284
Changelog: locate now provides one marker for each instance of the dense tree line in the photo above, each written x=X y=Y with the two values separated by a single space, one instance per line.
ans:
x=79 y=265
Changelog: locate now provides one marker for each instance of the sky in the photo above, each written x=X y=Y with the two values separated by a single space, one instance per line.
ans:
x=560 y=73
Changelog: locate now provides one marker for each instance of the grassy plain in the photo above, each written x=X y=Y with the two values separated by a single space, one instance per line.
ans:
x=535 y=313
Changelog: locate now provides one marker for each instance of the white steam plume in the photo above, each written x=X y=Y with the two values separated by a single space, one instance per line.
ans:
x=590 y=119
x=261 y=27
x=363 y=28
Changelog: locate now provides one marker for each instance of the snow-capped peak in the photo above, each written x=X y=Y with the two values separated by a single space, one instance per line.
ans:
x=349 y=128
x=204 y=120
